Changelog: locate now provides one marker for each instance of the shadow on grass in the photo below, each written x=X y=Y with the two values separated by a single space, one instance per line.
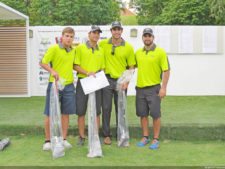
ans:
x=188 y=132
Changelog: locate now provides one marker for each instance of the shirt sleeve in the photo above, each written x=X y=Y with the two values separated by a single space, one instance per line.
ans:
x=77 y=56
x=102 y=64
x=131 y=57
x=164 y=61
x=103 y=60
x=135 y=56
x=48 y=55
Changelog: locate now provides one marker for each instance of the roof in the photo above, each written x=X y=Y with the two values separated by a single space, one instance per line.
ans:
x=8 y=13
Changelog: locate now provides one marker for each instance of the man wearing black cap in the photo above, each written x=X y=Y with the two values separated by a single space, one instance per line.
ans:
x=89 y=59
x=119 y=55
x=153 y=69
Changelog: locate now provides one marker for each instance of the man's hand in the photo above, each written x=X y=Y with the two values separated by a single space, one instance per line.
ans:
x=165 y=78
x=162 y=93
x=91 y=74
x=125 y=85
x=55 y=75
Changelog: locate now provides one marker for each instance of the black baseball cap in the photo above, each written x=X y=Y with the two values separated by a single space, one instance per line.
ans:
x=148 y=31
x=116 y=24
x=95 y=28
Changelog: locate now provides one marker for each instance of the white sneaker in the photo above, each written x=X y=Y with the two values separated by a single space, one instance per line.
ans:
x=47 y=146
x=67 y=144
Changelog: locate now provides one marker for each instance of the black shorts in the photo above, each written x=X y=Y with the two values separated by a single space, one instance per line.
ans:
x=66 y=99
x=82 y=100
x=148 y=101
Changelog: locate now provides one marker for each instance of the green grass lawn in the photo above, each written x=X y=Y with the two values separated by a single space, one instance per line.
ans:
x=26 y=151
x=176 y=110
x=192 y=135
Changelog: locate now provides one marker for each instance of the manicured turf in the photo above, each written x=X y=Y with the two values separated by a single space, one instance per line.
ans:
x=26 y=151
x=179 y=110
x=192 y=135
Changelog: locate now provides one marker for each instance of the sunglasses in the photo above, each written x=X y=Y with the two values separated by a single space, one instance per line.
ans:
x=113 y=50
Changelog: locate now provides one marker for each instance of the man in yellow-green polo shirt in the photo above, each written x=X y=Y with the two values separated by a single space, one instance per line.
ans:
x=119 y=56
x=89 y=60
x=152 y=78
x=58 y=61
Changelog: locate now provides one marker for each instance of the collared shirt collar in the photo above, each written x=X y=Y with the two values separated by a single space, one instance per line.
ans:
x=152 y=48
x=121 y=44
x=62 y=47
x=88 y=44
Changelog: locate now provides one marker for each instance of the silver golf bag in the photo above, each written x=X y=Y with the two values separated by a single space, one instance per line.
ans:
x=94 y=145
x=55 y=124
x=122 y=128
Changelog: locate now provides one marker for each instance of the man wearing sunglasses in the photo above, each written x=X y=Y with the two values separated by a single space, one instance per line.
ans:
x=119 y=56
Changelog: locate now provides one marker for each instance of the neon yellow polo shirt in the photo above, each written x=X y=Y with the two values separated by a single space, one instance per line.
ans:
x=150 y=65
x=116 y=62
x=61 y=61
x=89 y=59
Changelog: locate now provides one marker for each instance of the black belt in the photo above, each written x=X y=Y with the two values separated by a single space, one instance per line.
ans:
x=146 y=87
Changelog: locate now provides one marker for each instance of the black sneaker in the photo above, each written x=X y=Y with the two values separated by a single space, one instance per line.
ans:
x=81 y=141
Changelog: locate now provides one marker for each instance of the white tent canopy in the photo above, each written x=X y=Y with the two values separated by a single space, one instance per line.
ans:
x=8 y=13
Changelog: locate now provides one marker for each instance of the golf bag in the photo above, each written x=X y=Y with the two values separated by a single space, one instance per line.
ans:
x=122 y=128
x=55 y=124
x=94 y=145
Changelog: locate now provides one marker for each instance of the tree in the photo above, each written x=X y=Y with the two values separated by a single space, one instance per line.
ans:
x=64 y=12
x=149 y=10
x=86 y=12
x=217 y=11
x=104 y=12
x=173 y=12
x=42 y=12
x=186 y=12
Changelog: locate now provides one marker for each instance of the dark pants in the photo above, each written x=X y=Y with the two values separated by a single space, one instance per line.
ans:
x=82 y=100
x=107 y=95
